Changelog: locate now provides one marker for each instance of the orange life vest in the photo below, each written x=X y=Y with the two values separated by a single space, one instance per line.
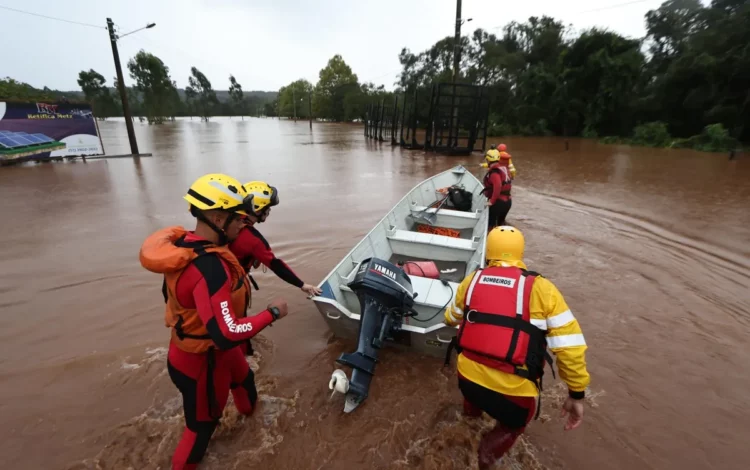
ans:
x=496 y=329
x=166 y=252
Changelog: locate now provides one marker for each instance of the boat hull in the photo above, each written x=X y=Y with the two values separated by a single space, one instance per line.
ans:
x=397 y=238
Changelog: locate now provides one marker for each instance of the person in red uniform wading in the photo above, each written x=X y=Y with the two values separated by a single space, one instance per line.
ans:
x=497 y=186
x=206 y=295
x=508 y=317
x=252 y=248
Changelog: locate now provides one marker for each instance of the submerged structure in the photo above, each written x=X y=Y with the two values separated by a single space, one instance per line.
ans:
x=453 y=119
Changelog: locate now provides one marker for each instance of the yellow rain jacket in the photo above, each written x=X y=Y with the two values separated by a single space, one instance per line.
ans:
x=511 y=168
x=564 y=339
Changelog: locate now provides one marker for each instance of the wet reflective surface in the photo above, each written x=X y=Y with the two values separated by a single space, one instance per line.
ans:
x=650 y=247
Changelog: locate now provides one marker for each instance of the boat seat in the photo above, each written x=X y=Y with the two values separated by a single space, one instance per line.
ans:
x=430 y=292
x=431 y=239
x=448 y=218
x=431 y=246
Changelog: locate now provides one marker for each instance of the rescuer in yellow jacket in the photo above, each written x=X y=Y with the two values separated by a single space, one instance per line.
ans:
x=505 y=391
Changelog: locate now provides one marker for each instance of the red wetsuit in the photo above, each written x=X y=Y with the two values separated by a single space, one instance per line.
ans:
x=206 y=287
x=497 y=187
x=250 y=246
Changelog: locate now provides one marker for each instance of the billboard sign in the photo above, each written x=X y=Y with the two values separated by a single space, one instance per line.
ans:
x=44 y=129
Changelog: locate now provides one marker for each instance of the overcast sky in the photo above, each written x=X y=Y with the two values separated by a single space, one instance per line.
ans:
x=265 y=43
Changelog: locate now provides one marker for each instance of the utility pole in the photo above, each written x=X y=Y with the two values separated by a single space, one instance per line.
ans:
x=121 y=87
x=456 y=65
x=309 y=104
x=457 y=42
x=294 y=102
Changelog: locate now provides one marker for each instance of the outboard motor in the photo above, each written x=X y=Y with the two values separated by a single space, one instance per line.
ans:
x=385 y=295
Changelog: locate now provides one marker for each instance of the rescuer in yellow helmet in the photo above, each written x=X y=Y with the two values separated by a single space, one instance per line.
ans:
x=508 y=317
x=252 y=248
x=497 y=188
x=206 y=297
x=502 y=156
x=492 y=155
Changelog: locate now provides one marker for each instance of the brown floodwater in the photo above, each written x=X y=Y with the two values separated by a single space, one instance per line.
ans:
x=651 y=249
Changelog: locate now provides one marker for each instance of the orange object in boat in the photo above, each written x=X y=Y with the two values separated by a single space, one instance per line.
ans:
x=447 y=232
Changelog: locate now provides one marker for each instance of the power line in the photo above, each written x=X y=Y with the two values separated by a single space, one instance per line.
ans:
x=52 y=17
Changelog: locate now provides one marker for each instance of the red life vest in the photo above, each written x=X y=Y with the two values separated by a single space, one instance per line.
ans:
x=496 y=329
x=506 y=181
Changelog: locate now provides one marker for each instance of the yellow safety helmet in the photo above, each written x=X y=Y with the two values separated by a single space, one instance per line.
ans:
x=505 y=243
x=216 y=191
x=261 y=195
x=492 y=156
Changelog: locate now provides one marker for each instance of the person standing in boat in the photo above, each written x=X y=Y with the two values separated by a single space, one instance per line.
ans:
x=206 y=297
x=252 y=248
x=508 y=317
x=497 y=187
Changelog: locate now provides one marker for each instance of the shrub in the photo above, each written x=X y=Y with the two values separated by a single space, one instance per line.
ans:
x=651 y=134
x=714 y=138
x=589 y=133
x=611 y=139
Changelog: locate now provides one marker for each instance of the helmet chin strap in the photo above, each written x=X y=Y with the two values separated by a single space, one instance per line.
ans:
x=221 y=232
x=262 y=215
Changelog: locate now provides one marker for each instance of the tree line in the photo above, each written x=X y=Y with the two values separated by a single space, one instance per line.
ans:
x=337 y=96
x=686 y=83
x=156 y=97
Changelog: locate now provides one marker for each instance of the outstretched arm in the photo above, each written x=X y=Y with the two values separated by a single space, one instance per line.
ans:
x=255 y=245
x=565 y=339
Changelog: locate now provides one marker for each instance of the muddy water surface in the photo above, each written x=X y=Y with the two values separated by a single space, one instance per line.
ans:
x=650 y=247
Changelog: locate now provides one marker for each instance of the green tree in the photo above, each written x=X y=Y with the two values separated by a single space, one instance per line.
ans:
x=602 y=70
x=336 y=81
x=155 y=86
x=235 y=93
x=705 y=81
x=202 y=93
x=270 y=109
x=294 y=99
x=98 y=95
x=544 y=80
x=190 y=101
x=13 y=90
x=669 y=27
